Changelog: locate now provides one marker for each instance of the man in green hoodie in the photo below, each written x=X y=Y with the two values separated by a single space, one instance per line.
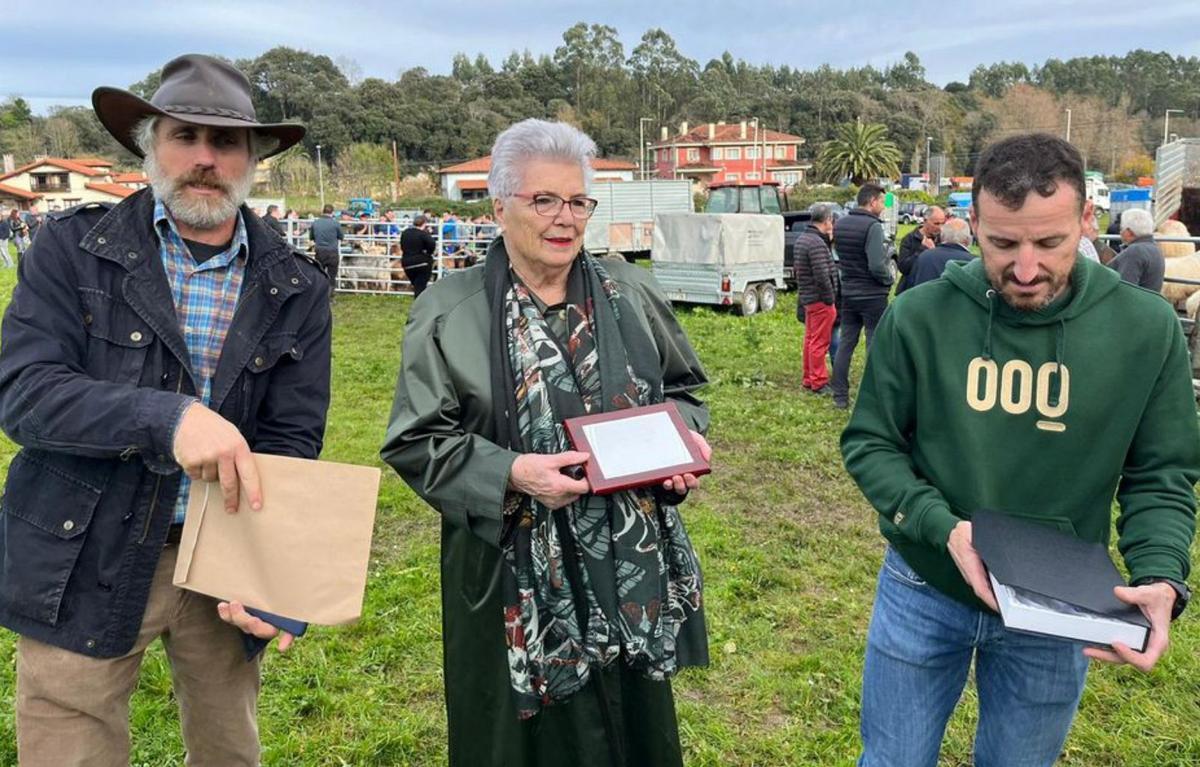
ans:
x=1036 y=384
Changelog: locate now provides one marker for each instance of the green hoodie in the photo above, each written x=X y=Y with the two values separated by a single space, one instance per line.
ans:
x=961 y=408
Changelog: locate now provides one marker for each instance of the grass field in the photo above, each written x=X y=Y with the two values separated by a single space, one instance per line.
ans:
x=790 y=552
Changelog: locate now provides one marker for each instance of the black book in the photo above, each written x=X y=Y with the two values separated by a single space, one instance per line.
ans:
x=1052 y=583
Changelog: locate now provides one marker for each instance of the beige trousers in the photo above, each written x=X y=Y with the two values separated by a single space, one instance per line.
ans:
x=73 y=710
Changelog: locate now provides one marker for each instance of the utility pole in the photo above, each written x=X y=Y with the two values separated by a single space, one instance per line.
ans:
x=642 y=144
x=928 y=160
x=395 y=172
x=1167 y=121
x=320 y=178
x=1068 y=126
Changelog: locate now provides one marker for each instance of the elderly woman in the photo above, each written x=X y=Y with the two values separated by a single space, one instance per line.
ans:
x=564 y=614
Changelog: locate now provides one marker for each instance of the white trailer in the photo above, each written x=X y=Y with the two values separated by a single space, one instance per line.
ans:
x=727 y=259
x=1177 y=183
x=624 y=218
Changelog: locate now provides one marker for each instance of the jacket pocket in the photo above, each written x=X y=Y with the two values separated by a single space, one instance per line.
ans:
x=118 y=338
x=274 y=350
x=44 y=516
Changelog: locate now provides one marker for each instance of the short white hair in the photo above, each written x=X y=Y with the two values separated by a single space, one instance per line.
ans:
x=1139 y=222
x=957 y=232
x=143 y=135
x=537 y=139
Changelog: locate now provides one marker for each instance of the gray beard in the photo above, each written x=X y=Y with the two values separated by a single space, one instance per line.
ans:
x=198 y=213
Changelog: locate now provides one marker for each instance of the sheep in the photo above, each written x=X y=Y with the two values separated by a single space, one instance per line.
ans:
x=1182 y=262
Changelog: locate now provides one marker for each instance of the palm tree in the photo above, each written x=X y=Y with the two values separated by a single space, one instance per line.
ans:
x=860 y=151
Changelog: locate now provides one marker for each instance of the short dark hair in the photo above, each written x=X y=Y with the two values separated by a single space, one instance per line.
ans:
x=327 y=209
x=867 y=193
x=271 y=208
x=1033 y=162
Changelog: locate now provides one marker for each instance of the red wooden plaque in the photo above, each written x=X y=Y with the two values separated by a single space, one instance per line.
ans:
x=635 y=447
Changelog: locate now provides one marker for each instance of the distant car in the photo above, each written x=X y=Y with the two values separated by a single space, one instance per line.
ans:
x=912 y=213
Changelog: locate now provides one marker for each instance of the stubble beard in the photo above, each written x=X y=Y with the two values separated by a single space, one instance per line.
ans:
x=204 y=213
x=1000 y=281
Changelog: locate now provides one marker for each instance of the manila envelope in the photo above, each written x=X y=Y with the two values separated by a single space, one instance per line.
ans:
x=302 y=555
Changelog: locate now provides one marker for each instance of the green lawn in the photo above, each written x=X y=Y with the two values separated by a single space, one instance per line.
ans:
x=790 y=553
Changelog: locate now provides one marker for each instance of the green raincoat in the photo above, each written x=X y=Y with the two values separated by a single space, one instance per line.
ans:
x=440 y=441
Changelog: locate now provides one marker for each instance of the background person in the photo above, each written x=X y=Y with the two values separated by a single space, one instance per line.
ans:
x=937 y=435
x=817 y=287
x=417 y=251
x=919 y=240
x=866 y=281
x=1140 y=260
x=564 y=614
x=327 y=236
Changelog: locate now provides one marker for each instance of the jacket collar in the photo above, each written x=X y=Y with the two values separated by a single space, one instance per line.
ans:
x=864 y=212
x=126 y=236
x=826 y=238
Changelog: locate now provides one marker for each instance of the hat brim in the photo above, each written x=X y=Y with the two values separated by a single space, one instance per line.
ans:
x=120 y=112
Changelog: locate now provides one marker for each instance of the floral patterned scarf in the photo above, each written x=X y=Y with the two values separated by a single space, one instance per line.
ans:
x=605 y=577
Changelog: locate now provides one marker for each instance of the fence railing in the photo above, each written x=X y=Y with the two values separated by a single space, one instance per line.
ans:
x=370 y=250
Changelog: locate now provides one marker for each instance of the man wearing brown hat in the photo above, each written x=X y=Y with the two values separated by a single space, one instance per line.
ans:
x=147 y=345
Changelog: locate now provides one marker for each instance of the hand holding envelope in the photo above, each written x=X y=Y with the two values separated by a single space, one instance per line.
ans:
x=304 y=554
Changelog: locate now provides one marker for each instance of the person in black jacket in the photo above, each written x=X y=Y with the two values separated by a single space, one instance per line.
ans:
x=125 y=375
x=956 y=239
x=866 y=281
x=916 y=242
x=417 y=249
x=271 y=219
x=817 y=283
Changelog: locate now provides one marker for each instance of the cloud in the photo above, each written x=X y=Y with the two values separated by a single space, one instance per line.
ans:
x=120 y=43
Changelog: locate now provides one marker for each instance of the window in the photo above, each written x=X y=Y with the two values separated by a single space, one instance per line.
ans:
x=781 y=153
x=693 y=155
x=770 y=199
x=750 y=200
x=753 y=176
x=717 y=153
x=751 y=153
x=733 y=177
x=733 y=153
x=50 y=182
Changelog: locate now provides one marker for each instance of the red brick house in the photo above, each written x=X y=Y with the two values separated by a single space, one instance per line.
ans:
x=717 y=152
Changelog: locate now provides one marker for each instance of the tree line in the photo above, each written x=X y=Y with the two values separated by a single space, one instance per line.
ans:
x=1116 y=102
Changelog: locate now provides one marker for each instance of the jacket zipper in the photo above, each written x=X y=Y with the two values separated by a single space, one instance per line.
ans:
x=158 y=481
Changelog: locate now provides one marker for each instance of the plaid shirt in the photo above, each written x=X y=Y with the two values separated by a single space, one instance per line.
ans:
x=205 y=296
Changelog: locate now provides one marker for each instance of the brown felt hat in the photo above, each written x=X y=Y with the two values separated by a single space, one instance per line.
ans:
x=195 y=89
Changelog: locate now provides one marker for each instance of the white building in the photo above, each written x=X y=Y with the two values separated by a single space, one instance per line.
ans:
x=56 y=183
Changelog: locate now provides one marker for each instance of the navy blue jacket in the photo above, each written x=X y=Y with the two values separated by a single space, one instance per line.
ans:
x=931 y=263
x=93 y=377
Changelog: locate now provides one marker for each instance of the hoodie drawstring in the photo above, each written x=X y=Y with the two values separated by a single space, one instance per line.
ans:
x=987 y=337
x=1060 y=353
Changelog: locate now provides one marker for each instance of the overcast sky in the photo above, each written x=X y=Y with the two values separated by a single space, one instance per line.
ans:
x=58 y=55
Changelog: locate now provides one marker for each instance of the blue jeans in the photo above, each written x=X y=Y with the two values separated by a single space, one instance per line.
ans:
x=919 y=650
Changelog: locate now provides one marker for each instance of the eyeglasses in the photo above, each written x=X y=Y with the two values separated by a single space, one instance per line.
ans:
x=550 y=204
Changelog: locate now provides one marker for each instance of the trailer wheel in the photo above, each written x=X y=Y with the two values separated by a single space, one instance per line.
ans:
x=749 y=302
x=766 y=297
